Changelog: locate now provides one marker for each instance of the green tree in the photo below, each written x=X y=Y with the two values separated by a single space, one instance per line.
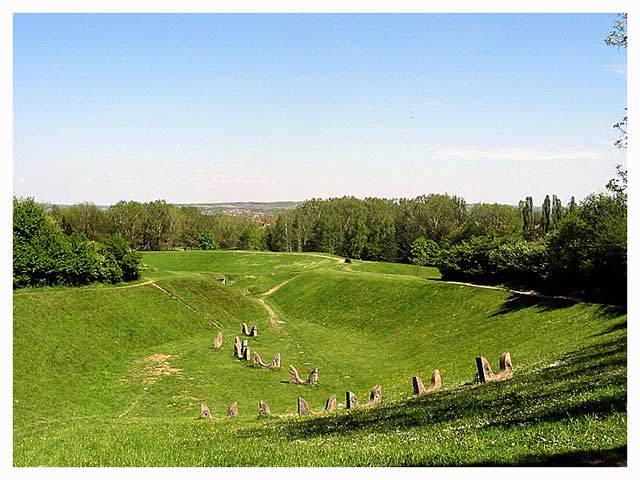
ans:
x=557 y=213
x=208 y=242
x=493 y=220
x=251 y=237
x=572 y=209
x=128 y=220
x=527 y=218
x=41 y=252
x=425 y=252
x=545 y=223
x=589 y=250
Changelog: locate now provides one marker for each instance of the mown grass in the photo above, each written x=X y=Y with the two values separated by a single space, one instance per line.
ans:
x=80 y=397
x=393 y=269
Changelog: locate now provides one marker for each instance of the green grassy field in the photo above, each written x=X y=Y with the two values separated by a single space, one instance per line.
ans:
x=115 y=376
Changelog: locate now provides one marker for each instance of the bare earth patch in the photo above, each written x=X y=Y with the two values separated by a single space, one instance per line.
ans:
x=151 y=368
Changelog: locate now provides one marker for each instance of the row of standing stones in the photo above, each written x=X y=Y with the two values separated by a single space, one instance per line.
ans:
x=242 y=351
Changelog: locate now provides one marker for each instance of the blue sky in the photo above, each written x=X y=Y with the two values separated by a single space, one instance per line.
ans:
x=216 y=107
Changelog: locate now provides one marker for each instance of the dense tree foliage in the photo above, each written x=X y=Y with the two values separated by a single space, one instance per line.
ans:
x=371 y=229
x=159 y=225
x=583 y=251
x=44 y=255
x=425 y=252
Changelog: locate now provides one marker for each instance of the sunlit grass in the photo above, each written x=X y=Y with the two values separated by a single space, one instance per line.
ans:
x=80 y=397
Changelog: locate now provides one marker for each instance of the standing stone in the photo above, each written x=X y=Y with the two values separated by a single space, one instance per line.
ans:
x=294 y=377
x=217 y=342
x=303 y=407
x=204 y=411
x=485 y=374
x=352 y=400
x=254 y=331
x=313 y=377
x=276 y=361
x=257 y=360
x=237 y=348
x=376 y=395
x=247 y=353
x=436 y=381
x=506 y=366
x=245 y=329
x=233 y=410
x=265 y=411
x=418 y=386
x=332 y=403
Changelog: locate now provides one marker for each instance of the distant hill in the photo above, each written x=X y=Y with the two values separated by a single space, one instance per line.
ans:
x=252 y=206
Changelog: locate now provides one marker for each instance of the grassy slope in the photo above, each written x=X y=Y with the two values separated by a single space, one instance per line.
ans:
x=360 y=324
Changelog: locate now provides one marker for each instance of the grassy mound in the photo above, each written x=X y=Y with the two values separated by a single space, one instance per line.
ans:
x=115 y=376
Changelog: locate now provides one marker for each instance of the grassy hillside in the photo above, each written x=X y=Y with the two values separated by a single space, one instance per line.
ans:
x=115 y=376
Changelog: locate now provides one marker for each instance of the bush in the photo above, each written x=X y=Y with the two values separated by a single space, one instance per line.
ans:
x=44 y=256
x=487 y=259
x=206 y=241
x=425 y=252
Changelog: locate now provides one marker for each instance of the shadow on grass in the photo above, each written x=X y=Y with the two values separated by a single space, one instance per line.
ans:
x=613 y=457
x=589 y=381
x=520 y=302
x=615 y=327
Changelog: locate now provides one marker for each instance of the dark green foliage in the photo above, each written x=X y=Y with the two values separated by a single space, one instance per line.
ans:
x=44 y=256
x=526 y=208
x=370 y=229
x=207 y=241
x=573 y=207
x=41 y=252
x=468 y=260
x=589 y=250
x=158 y=225
x=84 y=218
x=584 y=254
x=557 y=213
x=425 y=252
x=545 y=223
x=251 y=238
x=347 y=260
x=494 y=220
x=127 y=259
x=519 y=262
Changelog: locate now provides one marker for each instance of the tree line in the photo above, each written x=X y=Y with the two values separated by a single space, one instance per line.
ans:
x=159 y=225
x=577 y=248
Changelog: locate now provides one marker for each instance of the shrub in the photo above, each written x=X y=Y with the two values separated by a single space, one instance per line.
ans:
x=43 y=255
x=425 y=252
x=206 y=241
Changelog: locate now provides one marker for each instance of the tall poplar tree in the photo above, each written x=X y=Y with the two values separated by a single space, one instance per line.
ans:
x=527 y=218
x=545 y=221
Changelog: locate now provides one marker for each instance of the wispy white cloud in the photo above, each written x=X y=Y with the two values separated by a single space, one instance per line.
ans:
x=617 y=68
x=523 y=154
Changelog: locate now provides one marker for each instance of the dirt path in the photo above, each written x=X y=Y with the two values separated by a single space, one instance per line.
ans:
x=273 y=318
x=274 y=289
x=148 y=282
